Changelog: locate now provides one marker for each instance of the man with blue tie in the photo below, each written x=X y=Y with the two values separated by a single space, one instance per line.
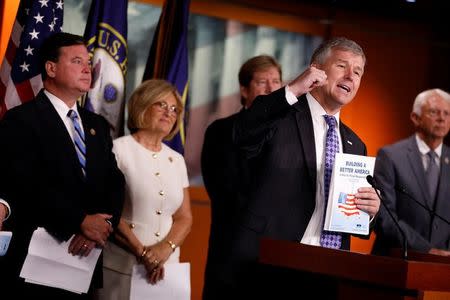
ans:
x=292 y=136
x=414 y=178
x=60 y=171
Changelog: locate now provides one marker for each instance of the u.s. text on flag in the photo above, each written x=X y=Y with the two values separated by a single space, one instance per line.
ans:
x=20 y=71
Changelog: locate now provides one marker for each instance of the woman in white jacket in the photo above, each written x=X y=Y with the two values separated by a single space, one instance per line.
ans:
x=156 y=217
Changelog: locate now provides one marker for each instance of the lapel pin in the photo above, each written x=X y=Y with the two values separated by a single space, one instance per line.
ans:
x=350 y=142
x=170 y=159
x=92 y=131
x=446 y=160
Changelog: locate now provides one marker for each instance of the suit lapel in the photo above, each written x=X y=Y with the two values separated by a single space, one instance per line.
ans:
x=347 y=145
x=306 y=130
x=415 y=162
x=55 y=136
x=89 y=136
x=442 y=203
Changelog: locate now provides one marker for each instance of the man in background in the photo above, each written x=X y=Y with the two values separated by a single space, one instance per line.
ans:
x=226 y=174
x=59 y=170
x=417 y=169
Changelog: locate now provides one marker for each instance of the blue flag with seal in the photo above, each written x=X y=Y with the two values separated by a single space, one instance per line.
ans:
x=168 y=57
x=106 y=37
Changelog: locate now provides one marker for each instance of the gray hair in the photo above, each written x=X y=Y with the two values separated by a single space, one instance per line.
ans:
x=423 y=96
x=321 y=53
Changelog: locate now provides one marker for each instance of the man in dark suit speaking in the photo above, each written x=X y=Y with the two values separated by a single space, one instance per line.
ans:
x=59 y=170
x=291 y=134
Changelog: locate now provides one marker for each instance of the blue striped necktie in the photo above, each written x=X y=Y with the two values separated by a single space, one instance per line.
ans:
x=78 y=139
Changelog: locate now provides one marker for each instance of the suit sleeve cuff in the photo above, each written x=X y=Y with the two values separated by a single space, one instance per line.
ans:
x=290 y=97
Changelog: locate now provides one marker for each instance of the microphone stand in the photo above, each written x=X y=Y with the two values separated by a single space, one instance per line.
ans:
x=403 y=191
x=371 y=181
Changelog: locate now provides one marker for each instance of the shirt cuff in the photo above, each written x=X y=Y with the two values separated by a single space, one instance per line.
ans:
x=290 y=97
x=8 y=208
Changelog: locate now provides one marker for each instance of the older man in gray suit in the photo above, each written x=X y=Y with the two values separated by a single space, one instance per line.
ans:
x=417 y=169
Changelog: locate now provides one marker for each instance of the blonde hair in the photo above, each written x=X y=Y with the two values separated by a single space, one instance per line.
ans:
x=145 y=95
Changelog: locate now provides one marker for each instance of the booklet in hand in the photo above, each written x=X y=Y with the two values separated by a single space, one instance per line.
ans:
x=349 y=173
x=5 y=238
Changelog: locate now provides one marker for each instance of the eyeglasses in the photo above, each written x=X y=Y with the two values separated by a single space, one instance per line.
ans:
x=433 y=113
x=162 y=105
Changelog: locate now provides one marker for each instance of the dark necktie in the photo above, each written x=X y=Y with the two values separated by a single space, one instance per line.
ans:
x=330 y=239
x=432 y=175
x=78 y=140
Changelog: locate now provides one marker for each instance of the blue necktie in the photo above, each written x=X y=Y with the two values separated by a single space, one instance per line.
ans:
x=330 y=239
x=78 y=140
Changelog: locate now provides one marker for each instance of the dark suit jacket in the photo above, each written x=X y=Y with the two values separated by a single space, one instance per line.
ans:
x=226 y=178
x=281 y=201
x=399 y=166
x=42 y=179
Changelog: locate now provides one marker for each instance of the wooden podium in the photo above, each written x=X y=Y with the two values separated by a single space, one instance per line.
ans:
x=363 y=276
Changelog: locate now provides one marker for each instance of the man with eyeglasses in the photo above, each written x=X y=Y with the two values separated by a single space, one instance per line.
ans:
x=417 y=169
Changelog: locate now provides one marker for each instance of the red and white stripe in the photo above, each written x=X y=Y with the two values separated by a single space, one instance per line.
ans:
x=11 y=94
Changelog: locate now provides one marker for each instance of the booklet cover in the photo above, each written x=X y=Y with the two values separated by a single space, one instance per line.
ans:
x=349 y=174
x=5 y=238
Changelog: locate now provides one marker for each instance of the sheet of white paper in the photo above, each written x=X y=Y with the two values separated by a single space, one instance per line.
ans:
x=176 y=284
x=49 y=263
x=51 y=285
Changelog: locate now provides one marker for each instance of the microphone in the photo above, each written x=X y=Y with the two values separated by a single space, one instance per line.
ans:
x=433 y=213
x=372 y=182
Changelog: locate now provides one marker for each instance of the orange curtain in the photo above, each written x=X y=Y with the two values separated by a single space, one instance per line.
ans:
x=8 y=11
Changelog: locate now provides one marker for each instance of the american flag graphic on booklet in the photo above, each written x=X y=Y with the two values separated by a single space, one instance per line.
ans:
x=347 y=204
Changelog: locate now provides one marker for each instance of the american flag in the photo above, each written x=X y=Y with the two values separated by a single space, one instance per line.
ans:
x=20 y=71
x=347 y=204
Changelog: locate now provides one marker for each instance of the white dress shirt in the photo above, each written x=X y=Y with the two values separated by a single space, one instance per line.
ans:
x=424 y=149
x=62 y=109
x=315 y=225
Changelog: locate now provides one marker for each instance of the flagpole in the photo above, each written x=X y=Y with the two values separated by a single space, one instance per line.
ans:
x=168 y=57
